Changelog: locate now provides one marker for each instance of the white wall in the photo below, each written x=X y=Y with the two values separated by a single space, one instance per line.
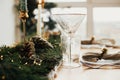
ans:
x=7 y=22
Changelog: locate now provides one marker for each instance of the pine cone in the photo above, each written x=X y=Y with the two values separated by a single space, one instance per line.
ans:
x=41 y=43
x=27 y=49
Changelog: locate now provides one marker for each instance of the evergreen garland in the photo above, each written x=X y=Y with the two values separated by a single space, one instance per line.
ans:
x=21 y=62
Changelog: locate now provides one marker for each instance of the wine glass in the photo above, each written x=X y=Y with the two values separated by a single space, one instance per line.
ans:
x=69 y=22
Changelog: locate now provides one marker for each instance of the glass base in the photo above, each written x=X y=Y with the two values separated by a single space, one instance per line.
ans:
x=71 y=65
x=71 y=62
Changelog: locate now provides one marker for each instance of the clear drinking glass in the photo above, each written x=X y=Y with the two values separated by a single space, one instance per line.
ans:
x=69 y=22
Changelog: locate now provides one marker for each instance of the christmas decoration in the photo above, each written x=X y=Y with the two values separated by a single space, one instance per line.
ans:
x=27 y=49
x=41 y=44
x=23 y=5
x=23 y=15
x=31 y=22
x=21 y=62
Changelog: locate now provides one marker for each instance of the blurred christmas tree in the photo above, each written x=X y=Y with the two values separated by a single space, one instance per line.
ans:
x=31 y=21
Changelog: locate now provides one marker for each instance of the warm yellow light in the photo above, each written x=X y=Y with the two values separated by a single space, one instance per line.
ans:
x=40 y=1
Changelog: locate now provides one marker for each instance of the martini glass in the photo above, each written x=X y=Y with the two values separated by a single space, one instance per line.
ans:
x=69 y=23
